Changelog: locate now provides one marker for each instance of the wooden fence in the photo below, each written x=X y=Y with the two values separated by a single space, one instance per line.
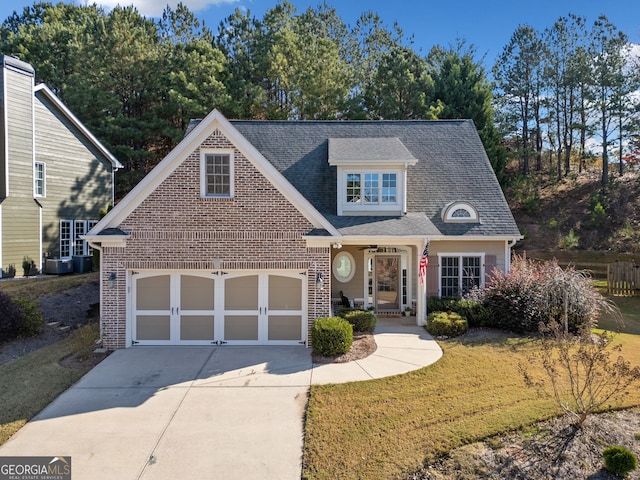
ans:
x=623 y=278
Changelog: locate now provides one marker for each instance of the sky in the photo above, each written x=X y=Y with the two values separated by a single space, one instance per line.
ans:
x=486 y=24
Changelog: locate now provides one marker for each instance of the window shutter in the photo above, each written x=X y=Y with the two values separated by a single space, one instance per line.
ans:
x=490 y=262
x=432 y=276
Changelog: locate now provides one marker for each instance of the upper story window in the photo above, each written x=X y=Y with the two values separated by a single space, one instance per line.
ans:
x=372 y=175
x=216 y=174
x=462 y=212
x=372 y=188
x=39 y=174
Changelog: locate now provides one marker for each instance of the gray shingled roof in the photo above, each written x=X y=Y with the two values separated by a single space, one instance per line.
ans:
x=452 y=166
x=371 y=150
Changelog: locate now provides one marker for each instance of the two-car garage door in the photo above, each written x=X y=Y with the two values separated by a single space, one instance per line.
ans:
x=194 y=308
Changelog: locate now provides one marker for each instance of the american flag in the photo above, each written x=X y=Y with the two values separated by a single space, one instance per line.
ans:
x=424 y=262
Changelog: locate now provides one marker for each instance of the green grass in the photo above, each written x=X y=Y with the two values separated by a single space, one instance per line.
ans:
x=387 y=428
x=31 y=382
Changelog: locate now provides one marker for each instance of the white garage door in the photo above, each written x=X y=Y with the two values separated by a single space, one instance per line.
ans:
x=192 y=308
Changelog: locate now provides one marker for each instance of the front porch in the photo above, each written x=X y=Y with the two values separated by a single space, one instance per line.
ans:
x=379 y=278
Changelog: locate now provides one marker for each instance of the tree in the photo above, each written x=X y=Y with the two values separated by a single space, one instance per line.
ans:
x=608 y=50
x=401 y=87
x=562 y=74
x=517 y=74
x=50 y=38
x=461 y=90
x=583 y=375
x=192 y=72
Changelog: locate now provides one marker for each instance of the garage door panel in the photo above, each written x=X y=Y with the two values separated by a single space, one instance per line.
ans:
x=285 y=293
x=197 y=327
x=241 y=327
x=285 y=328
x=154 y=293
x=196 y=293
x=241 y=293
x=153 y=327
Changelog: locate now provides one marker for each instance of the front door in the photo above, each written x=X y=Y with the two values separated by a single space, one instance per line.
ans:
x=387 y=283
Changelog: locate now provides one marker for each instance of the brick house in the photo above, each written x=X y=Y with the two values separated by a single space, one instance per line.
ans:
x=249 y=230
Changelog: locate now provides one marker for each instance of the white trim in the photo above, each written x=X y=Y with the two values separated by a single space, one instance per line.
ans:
x=218 y=312
x=460 y=256
x=334 y=265
x=188 y=145
x=204 y=152
x=451 y=208
x=5 y=130
x=379 y=207
x=74 y=120
x=44 y=179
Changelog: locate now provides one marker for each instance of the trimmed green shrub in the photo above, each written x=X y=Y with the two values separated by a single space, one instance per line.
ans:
x=32 y=320
x=361 y=320
x=619 y=461
x=473 y=310
x=331 y=336
x=450 y=324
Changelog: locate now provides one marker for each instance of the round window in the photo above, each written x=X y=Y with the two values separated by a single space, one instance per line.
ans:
x=344 y=267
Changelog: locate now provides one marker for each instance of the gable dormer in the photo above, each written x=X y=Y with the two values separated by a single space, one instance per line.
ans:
x=372 y=175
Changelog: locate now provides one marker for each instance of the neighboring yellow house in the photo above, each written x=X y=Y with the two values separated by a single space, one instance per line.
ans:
x=55 y=176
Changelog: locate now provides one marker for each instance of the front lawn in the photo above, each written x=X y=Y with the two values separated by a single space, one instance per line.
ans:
x=387 y=428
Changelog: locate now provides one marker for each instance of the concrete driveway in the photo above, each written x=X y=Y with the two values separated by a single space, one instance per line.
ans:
x=201 y=412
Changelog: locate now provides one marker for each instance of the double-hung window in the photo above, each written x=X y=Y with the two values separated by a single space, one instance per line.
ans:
x=216 y=174
x=459 y=274
x=372 y=188
x=39 y=174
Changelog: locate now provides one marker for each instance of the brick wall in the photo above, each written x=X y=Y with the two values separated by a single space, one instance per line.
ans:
x=174 y=228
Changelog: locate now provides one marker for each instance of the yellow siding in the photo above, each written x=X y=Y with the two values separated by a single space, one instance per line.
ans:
x=78 y=185
x=20 y=232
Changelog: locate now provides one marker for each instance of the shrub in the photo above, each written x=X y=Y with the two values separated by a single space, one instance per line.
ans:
x=535 y=293
x=598 y=215
x=331 y=336
x=11 y=316
x=361 y=320
x=32 y=319
x=472 y=309
x=29 y=267
x=570 y=241
x=619 y=461
x=10 y=272
x=450 y=324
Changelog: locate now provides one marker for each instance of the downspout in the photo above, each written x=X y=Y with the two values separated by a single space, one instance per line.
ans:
x=507 y=254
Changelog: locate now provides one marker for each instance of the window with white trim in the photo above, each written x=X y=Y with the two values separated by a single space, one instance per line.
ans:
x=216 y=174
x=459 y=274
x=460 y=212
x=39 y=175
x=371 y=188
x=70 y=242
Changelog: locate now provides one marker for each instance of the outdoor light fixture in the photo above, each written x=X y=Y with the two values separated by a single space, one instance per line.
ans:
x=337 y=245
x=319 y=282
x=112 y=279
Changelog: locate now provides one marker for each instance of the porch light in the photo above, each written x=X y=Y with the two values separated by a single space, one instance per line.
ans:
x=112 y=279
x=319 y=282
